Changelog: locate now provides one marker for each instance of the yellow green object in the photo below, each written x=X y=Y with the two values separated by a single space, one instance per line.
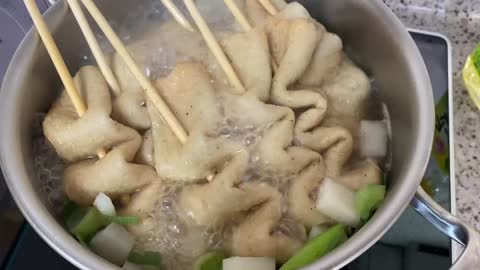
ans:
x=368 y=199
x=83 y=223
x=123 y=220
x=146 y=258
x=316 y=248
x=210 y=261
x=471 y=76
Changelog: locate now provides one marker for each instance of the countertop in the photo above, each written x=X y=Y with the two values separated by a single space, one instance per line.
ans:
x=459 y=20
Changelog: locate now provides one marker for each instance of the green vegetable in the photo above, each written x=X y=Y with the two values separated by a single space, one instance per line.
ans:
x=476 y=58
x=123 y=220
x=471 y=76
x=369 y=199
x=316 y=248
x=146 y=258
x=68 y=209
x=83 y=223
x=210 y=261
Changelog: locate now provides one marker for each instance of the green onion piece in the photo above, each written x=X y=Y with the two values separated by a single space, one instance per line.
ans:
x=123 y=220
x=210 y=261
x=316 y=248
x=368 y=199
x=68 y=209
x=146 y=258
x=82 y=241
x=83 y=223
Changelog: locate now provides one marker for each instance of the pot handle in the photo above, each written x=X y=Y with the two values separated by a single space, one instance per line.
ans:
x=451 y=226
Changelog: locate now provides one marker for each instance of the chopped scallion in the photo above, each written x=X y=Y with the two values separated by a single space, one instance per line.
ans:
x=68 y=208
x=316 y=248
x=210 y=261
x=123 y=220
x=83 y=223
x=146 y=258
x=368 y=199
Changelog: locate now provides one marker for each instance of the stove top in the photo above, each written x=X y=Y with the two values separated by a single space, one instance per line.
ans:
x=412 y=243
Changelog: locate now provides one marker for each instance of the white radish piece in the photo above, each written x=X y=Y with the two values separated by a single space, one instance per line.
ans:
x=317 y=230
x=131 y=266
x=373 y=138
x=337 y=202
x=104 y=204
x=113 y=243
x=250 y=263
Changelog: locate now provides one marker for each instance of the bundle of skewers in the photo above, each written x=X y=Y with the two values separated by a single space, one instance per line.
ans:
x=150 y=90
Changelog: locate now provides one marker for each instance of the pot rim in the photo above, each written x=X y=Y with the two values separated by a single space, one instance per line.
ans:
x=395 y=203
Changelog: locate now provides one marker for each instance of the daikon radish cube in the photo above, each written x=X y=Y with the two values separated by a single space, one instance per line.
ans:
x=337 y=202
x=373 y=138
x=250 y=263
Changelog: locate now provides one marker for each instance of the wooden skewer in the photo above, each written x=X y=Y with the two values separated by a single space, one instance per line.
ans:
x=94 y=46
x=242 y=20
x=214 y=47
x=237 y=13
x=268 y=6
x=150 y=90
x=148 y=87
x=56 y=57
x=177 y=15
x=58 y=61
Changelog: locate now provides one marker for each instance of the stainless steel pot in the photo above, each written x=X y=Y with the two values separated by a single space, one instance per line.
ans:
x=373 y=37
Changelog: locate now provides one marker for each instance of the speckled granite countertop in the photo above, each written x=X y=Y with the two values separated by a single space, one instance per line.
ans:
x=459 y=20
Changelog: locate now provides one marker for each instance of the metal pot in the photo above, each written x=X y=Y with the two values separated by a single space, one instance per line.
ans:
x=374 y=38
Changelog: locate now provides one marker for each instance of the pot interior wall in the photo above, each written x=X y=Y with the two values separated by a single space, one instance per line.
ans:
x=379 y=51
